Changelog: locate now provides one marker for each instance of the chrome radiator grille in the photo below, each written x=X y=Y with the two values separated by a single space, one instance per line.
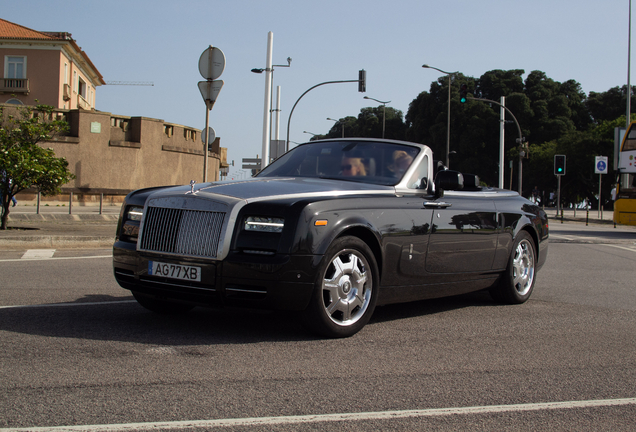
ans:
x=182 y=232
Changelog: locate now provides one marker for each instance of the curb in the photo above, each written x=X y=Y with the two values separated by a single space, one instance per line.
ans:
x=581 y=220
x=55 y=242
x=28 y=217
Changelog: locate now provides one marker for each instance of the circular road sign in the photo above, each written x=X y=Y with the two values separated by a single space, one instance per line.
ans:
x=204 y=135
x=601 y=165
x=212 y=63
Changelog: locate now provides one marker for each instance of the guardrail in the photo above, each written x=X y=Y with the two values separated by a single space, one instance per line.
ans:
x=70 y=203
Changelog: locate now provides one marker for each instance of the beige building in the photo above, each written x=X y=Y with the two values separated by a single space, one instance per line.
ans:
x=108 y=153
x=49 y=67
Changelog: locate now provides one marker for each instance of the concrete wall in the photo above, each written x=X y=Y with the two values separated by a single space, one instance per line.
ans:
x=114 y=155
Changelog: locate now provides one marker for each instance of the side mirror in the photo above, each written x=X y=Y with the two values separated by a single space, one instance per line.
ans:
x=449 y=180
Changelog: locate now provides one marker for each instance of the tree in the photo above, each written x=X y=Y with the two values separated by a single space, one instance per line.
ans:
x=546 y=110
x=609 y=105
x=368 y=124
x=580 y=148
x=23 y=163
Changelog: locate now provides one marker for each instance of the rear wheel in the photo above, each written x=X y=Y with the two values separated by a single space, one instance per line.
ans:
x=517 y=282
x=159 y=306
x=345 y=291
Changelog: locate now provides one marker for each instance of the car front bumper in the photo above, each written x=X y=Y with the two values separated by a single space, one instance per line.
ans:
x=277 y=282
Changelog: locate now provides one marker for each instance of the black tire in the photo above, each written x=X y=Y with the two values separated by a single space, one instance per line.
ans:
x=517 y=282
x=163 y=307
x=345 y=290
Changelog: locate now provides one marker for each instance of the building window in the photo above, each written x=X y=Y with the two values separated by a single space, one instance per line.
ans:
x=15 y=67
x=81 y=87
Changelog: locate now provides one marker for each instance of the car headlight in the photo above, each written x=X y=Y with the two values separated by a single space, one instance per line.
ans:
x=134 y=213
x=264 y=224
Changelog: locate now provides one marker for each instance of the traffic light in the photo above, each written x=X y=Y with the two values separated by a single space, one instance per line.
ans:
x=559 y=165
x=362 y=81
x=463 y=93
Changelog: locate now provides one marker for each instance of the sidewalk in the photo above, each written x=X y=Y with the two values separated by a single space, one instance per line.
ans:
x=581 y=215
x=55 y=228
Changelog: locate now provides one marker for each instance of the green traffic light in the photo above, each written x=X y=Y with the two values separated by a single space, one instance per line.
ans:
x=463 y=93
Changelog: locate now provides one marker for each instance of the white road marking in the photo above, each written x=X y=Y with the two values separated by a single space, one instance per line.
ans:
x=320 y=418
x=38 y=254
x=558 y=236
x=68 y=305
x=631 y=249
x=59 y=258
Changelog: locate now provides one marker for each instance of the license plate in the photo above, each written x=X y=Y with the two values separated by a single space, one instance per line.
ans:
x=174 y=271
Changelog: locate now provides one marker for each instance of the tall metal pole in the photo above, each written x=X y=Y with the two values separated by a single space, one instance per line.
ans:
x=205 y=144
x=558 y=195
x=449 y=110
x=301 y=96
x=268 y=100
x=277 y=129
x=383 y=112
x=520 y=167
x=600 y=201
x=625 y=178
x=629 y=54
x=207 y=129
x=383 y=119
x=502 y=130
x=448 y=124
x=519 y=140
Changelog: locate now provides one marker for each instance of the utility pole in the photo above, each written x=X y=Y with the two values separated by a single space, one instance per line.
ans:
x=268 y=100
x=520 y=140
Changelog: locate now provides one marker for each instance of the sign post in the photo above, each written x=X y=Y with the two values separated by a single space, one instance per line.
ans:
x=253 y=164
x=208 y=136
x=600 y=168
x=559 y=170
x=211 y=66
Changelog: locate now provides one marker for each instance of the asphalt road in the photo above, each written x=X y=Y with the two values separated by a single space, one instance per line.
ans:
x=75 y=350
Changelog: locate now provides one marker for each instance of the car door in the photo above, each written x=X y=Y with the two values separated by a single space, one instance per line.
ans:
x=463 y=238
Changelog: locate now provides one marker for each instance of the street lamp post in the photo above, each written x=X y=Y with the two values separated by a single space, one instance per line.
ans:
x=449 y=112
x=342 y=123
x=361 y=88
x=383 y=111
x=270 y=70
x=520 y=140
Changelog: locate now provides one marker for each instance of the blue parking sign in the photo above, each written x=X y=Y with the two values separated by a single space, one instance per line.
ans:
x=601 y=165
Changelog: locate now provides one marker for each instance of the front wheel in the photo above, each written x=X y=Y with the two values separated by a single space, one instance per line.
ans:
x=517 y=282
x=345 y=290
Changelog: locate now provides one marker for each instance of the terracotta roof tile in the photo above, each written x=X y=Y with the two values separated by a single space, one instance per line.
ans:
x=9 y=30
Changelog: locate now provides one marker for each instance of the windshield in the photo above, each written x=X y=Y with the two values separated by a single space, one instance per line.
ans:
x=369 y=162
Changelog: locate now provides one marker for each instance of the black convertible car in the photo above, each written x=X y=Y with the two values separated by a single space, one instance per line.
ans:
x=331 y=229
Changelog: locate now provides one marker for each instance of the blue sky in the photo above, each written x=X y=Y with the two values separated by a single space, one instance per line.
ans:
x=161 y=41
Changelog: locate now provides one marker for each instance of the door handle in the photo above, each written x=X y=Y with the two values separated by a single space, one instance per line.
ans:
x=433 y=204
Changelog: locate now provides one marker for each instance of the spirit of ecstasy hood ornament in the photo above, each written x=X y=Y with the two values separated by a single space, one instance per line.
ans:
x=192 y=183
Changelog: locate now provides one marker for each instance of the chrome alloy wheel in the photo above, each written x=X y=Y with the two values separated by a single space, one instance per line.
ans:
x=346 y=288
x=523 y=267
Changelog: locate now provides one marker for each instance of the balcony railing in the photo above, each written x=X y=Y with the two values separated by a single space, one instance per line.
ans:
x=82 y=103
x=15 y=85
